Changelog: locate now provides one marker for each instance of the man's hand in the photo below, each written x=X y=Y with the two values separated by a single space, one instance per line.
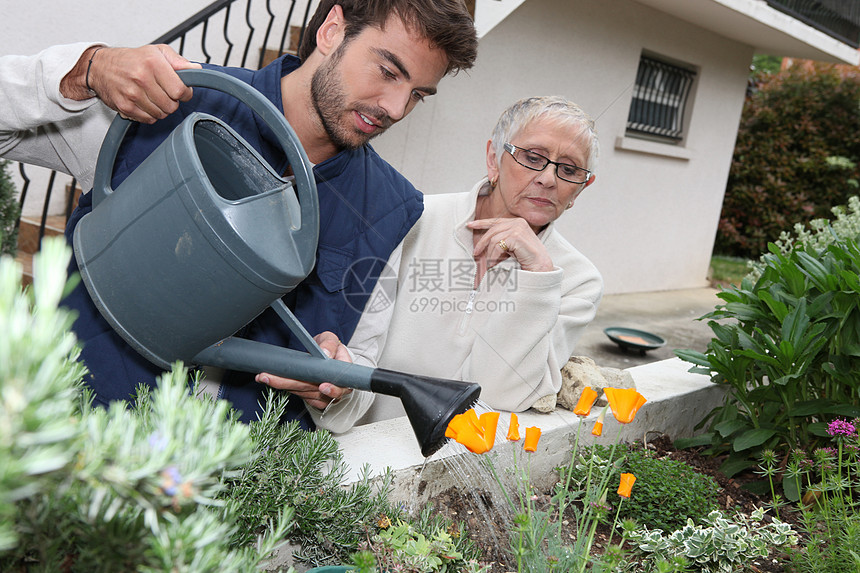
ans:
x=318 y=396
x=139 y=83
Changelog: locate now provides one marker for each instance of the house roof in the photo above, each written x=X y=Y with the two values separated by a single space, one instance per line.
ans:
x=756 y=23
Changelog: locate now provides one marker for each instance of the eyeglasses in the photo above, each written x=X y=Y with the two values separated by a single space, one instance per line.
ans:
x=537 y=162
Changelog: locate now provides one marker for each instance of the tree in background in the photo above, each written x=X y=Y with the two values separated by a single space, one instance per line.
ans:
x=765 y=64
x=9 y=210
x=797 y=154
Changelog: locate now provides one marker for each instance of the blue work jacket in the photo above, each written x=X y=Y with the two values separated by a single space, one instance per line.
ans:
x=366 y=208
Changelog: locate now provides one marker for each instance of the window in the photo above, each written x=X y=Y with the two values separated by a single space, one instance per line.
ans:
x=659 y=100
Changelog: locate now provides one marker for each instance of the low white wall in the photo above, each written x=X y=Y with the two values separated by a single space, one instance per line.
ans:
x=677 y=401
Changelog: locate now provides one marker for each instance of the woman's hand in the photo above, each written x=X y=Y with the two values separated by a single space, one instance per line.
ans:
x=511 y=237
x=319 y=396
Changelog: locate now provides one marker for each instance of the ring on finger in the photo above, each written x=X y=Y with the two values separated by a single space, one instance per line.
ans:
x=503 y=245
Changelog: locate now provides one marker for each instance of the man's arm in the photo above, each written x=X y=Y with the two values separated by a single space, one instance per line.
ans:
x=48 y=116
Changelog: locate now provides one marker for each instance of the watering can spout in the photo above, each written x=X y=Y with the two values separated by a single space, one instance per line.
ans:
x=430 y=403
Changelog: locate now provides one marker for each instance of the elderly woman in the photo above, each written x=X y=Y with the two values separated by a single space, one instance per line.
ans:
x=487 y=290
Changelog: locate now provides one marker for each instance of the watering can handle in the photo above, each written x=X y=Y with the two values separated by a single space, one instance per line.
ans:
x=256 y=101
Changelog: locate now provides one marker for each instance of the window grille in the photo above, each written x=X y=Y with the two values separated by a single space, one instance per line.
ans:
x=659 y=99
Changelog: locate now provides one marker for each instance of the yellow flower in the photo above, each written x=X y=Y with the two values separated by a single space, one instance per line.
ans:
x=627 y=481
x=514 y=429
x=532 y=437
x=478 y=435
x=624 y=403
x=586 y=401
x=384 y=522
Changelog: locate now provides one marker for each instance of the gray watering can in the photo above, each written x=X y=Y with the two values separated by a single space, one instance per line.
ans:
x=203 y=236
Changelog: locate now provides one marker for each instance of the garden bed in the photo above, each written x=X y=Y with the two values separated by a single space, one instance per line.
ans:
x=487 y=521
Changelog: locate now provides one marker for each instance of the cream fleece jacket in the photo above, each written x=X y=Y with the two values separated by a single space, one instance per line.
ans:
x=40 y=126
x=512 y=335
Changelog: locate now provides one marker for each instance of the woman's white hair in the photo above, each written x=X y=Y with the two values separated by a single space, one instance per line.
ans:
x=554 y=108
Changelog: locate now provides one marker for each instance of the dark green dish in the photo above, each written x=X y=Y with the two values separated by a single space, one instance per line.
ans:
x=633 y=339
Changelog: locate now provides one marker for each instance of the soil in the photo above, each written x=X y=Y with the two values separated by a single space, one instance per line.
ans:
x=487 y=530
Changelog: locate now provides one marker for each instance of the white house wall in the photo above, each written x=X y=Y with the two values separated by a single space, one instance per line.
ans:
x=649 y=221
x=28 y=27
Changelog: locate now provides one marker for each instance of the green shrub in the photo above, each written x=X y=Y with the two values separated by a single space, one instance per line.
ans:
x=817 y=234
x=787 y=349
x=833 y=551
x=85 y=489
x=9 y=211
x=430 y=543
x=303 y=470
x=667 y=492
x=718 y=545
x=796 y=156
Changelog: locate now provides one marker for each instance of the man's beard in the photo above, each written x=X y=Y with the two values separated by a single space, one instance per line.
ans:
x=330 y=104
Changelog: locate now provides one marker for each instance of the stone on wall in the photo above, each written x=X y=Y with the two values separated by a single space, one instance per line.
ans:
x=579 y=372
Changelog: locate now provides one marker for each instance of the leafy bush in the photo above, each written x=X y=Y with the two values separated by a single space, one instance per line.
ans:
x=86 y=489
x=818 y=234
x=303 y=470
x=668 y=492
x=429 y=544
x=9 y=211
x=719 y=544
x=796 y=155
x=788 y=352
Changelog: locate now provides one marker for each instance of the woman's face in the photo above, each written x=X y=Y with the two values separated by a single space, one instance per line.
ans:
x=539 y=197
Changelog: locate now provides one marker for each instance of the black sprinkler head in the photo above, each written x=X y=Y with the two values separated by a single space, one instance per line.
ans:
x=430 y=403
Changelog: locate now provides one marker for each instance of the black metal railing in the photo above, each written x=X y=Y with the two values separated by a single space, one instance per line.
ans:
x=838 y=19
x=210 y=36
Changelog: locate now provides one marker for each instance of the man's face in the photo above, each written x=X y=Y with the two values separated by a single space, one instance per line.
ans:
x=373 y=81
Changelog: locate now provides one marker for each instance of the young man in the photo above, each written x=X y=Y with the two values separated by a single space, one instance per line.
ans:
x=365 y=64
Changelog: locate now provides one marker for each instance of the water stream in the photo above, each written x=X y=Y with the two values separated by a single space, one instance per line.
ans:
x=487 y=486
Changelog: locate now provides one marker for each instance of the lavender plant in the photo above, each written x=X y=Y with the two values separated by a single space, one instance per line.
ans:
x=85 y=489
x=172 y=483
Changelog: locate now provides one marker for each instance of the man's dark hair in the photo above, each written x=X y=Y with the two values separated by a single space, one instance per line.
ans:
x=447 y=24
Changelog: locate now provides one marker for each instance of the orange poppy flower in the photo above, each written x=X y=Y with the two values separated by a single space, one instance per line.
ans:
x=489 y=422
x=598 y=425
x=627 y=481
x=514 y=429
x=624 y=403
x=586 y=401
x=478 y=435
x=532 y=437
